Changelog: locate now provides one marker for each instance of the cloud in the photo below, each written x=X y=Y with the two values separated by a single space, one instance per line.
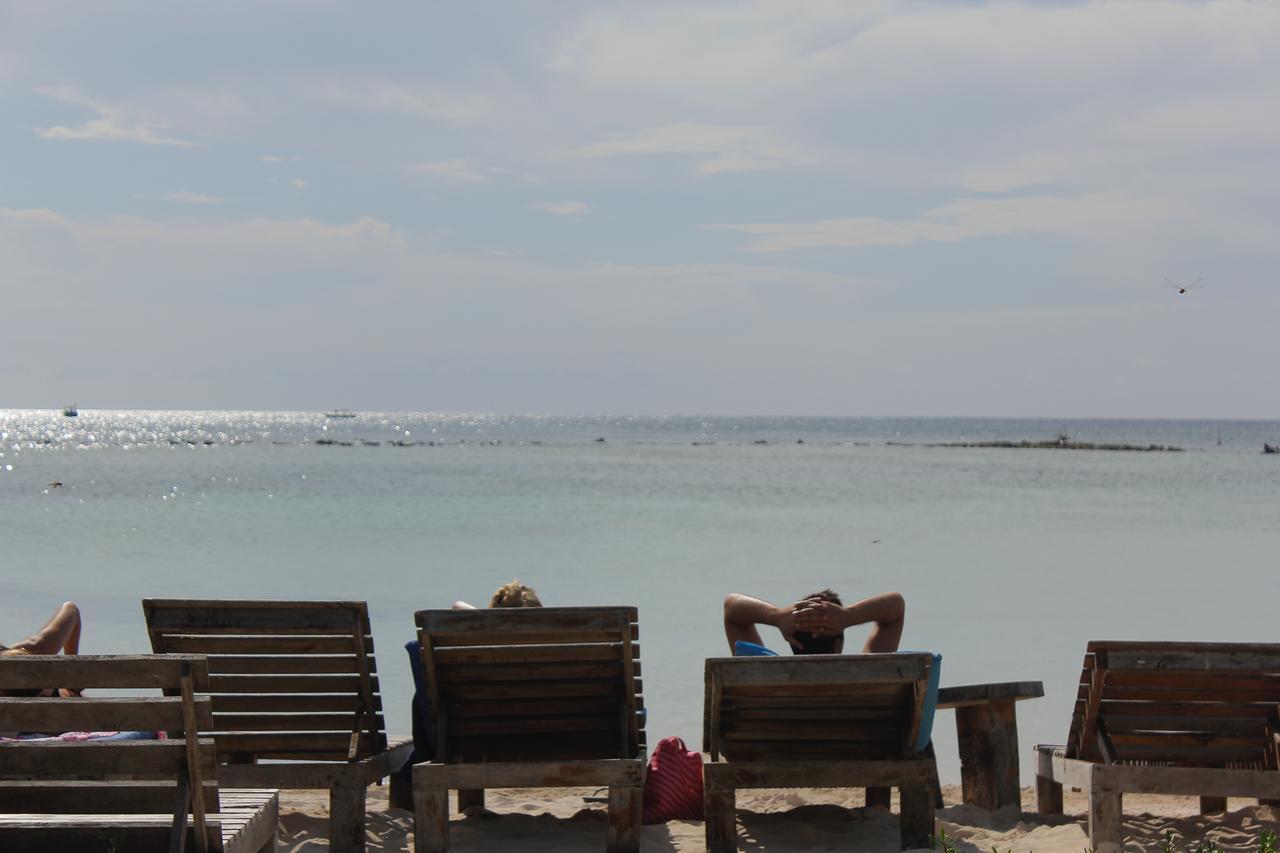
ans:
x=275 y=158
x=113 y=124
x=436 y=103
x=1097 y=215
x=298 y=183
x=192 y=198
x=454 y=170
x=716 y=148
x=569 y=209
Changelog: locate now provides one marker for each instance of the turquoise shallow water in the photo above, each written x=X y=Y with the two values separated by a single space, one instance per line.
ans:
x=1010 y=559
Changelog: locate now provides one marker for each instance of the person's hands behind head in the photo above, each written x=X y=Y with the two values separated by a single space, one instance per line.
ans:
x=819 y=617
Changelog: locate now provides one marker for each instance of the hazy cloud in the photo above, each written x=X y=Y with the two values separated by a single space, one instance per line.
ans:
x=113 y=124
x=715 y=148
x=569 y=209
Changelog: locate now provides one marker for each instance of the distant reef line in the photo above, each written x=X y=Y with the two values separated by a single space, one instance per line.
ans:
x=1055 y=444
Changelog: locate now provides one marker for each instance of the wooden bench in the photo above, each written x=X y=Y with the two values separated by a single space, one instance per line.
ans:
x=987 y=732
x=1167 y=718
x=532 y=697
x=125 y=795
x=296 y=701
x=817 y=721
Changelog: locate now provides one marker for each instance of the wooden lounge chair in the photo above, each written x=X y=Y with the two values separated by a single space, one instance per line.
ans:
x=67 y=795
x=291 y=681
x=532 y=697
x=817 y=721
x=1167 y=718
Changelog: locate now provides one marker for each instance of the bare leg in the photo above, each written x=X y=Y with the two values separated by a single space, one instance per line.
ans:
x=60 y=634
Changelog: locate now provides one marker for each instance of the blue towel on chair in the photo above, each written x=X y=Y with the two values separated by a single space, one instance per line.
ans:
x=424 y=740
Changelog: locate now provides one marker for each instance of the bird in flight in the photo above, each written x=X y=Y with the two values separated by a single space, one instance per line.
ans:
x=1181 y=288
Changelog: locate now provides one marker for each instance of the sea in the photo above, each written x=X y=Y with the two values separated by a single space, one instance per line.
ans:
x=1010 y=559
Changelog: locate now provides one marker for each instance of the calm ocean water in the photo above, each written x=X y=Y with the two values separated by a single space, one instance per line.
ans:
x=1010 y=559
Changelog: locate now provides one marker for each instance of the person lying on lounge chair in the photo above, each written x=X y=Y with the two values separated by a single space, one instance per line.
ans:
x=816 y=623
x=61 y=634
x=514 y=594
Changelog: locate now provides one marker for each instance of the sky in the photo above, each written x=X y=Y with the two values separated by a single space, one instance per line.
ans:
x=745 y=207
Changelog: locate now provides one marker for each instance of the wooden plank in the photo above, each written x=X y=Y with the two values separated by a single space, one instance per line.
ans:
x=548 y=774
x=1147 y=646
x=548 y=747
x=141 y=759
x=821 y=669
x=1244 y=726
x=1244 y=661
x=98 y=671
x=531 y=690
x=305 y=703
x=981 y=694
x=293 y=722
x=566 y=623
x=194 y=777
x=470 y=726
x=868 y=694
x=56 y=715
x=220 y=644
x=282 y=664
x=1114 y=709
x=291 y=743
x=1188 y=680
x=43 y=796
x=287 y=684
x=471 y=674
x=801 y=774
x=226 y=616
x=558 y=653
x=532 y=707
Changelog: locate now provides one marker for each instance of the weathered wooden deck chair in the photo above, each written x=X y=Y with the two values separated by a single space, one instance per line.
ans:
x=1167 y=718
x=66 y=794
x=532 y=697
x=294 y=684
x=817 y=721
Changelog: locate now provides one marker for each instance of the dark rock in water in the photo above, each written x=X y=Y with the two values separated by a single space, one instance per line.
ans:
x=759 y=441
x=599 y=441
x=1271 y=448
x=799 y=441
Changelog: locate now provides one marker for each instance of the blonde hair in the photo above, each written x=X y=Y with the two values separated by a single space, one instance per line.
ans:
x=515 y=594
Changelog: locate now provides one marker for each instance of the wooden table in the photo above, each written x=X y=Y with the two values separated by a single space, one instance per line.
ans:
x=987 y=729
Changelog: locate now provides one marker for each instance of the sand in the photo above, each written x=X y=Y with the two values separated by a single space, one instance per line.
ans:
x=558 y=820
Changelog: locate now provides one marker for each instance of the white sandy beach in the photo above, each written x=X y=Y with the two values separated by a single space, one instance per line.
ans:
x=795 y=821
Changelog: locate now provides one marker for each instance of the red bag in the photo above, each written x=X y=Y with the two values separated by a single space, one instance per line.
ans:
x=673 y=783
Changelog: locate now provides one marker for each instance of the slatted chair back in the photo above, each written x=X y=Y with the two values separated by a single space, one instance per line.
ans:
x=814 y=707
x=1184 y=704
x=84 y=777
x=290 y=680
x=533 y=684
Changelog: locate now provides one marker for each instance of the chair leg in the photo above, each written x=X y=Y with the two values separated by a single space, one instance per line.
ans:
x=880 y=797
x=624 y=819
x=346 y=816
x=1048 y=790
x=468 y=797
x=719 y=806
x=1048 y=796
x=1106 y=830
x=430 y=818
x=916 y=820
x=1213 y=805
x=400 y=795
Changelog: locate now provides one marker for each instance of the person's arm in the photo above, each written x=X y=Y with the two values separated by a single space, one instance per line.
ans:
x=742 y=614
x=887 y=610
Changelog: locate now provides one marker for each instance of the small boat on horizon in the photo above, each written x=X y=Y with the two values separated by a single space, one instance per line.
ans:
x=340 y=413
x=70 y=411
